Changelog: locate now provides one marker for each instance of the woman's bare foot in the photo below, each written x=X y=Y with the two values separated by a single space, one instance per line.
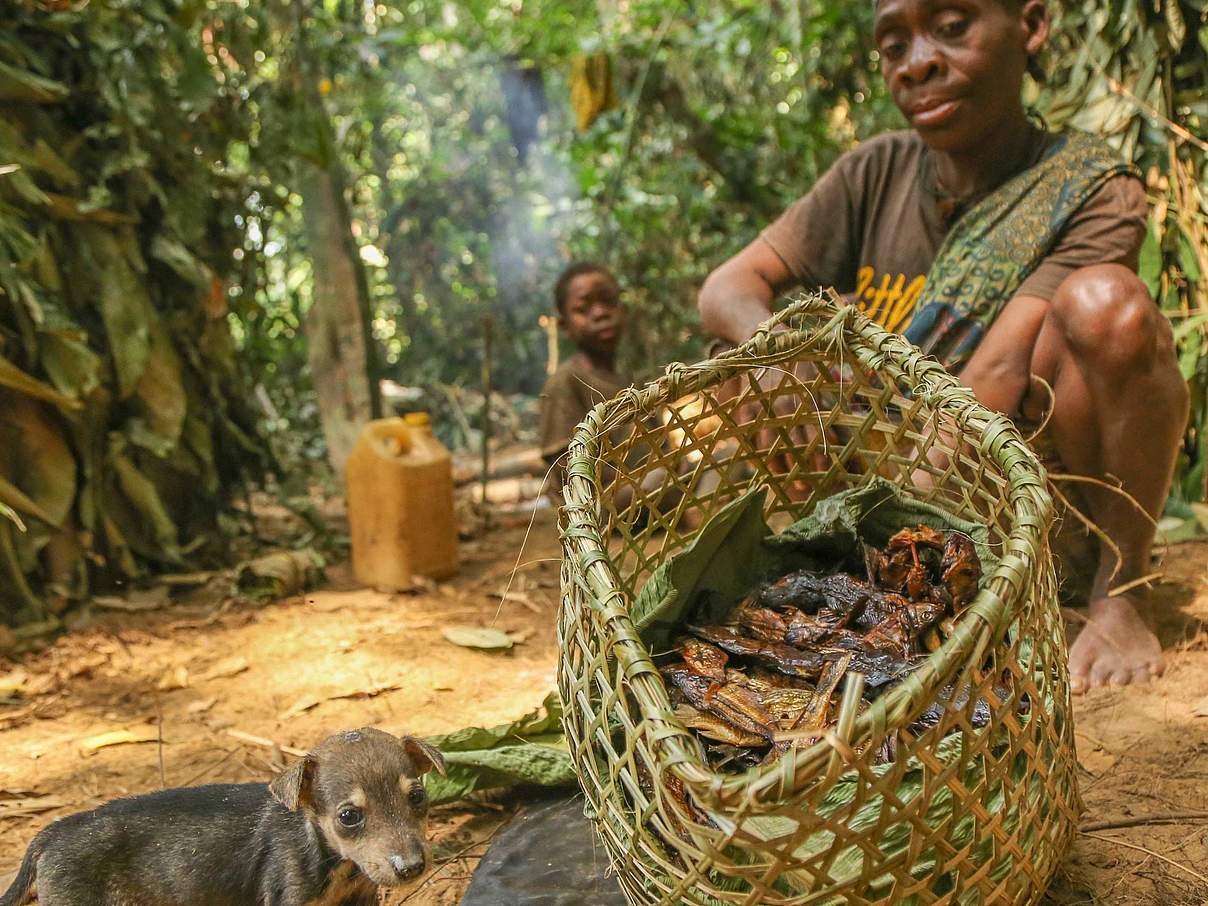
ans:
x=1115 y=647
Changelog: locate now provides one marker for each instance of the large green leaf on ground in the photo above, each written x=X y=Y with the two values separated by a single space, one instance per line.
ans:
x=530 y=750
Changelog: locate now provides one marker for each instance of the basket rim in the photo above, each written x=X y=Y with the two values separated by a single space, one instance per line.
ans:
x=996 y=604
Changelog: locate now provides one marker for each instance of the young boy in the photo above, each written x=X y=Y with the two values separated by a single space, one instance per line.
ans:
x=1006 y=252
x=588 y=302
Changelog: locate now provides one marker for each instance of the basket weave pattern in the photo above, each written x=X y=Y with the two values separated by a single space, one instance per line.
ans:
x=964 y=813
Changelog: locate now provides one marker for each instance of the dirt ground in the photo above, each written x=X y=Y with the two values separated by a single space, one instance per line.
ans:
x=207 y=679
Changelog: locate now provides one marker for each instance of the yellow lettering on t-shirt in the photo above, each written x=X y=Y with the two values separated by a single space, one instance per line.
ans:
x=890 y=301
x=899 y=317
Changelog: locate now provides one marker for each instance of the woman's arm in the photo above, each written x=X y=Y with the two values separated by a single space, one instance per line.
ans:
x=738 y=296
x=999 y=373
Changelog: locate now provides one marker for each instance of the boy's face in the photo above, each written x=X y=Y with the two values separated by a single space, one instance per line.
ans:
x=592 y=315
x=955 y=67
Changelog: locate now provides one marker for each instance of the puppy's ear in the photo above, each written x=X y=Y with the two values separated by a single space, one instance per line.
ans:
x=426 y=757
x=292 y=787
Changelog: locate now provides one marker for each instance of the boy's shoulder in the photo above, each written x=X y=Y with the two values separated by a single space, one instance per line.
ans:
x=576 y=369
x=564 y=375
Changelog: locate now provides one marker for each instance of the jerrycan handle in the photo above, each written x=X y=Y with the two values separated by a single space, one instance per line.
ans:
x=390 y=438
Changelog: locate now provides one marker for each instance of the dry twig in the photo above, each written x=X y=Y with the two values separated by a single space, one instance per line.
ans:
x=1164 y=818
x=265 y=743
x=1149 y=852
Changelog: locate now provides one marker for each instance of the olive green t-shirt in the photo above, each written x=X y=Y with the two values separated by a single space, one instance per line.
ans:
x=872 y=226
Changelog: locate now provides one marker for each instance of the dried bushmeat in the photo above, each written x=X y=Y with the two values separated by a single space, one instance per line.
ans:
x=767 y=677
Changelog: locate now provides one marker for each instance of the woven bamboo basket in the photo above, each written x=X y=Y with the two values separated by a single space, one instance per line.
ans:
x=965 y=813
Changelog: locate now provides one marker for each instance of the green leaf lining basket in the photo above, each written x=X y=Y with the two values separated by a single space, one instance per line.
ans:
x=966 y=812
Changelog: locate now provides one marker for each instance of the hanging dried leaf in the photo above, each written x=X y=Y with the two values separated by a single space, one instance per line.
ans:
x=12 y=496
x=150 y=523
x=1176 y=27
x=14 y=378
x=161 y=394
x=35 y=459
x=591 y=88
x=20 y=85
x=124 y=306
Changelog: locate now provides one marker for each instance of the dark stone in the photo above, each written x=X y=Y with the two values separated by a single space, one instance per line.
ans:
x=549 y=855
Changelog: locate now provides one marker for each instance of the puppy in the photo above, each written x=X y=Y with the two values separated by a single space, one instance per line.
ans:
x=350 y=816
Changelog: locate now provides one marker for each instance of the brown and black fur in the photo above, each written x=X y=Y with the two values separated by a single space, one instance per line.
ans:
x=254 y=844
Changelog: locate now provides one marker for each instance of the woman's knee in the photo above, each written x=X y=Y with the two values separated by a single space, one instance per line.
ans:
x=1106 y=314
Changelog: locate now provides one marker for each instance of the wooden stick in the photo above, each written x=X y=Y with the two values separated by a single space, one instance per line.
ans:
x=1166 y=818
x=265 y=743
x=1129 y=586
x=159 y=744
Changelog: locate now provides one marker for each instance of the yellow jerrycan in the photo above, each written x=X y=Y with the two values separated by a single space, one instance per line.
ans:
x=400 y=504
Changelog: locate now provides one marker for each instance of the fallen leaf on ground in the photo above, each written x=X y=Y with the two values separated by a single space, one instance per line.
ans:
x=12 y=718
x=302 y=705
x=306 y=702
x=519 y=638
x=13 y=793
x=477 y=637
x=201 y=705
x=13 y=682
x=230 y=666
x=1200 y=710
x=177 y=678
x=94 y=744
x=34 y=805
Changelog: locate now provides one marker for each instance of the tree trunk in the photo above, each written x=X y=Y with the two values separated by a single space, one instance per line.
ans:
x=340 y=343
x=339 y=352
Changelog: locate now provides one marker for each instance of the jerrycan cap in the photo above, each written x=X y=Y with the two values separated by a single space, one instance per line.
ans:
x=417 y=419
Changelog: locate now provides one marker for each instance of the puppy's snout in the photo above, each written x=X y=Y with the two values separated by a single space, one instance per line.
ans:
x=407 y=869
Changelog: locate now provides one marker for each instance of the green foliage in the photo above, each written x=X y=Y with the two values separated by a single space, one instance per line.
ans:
x=730 y=109
x=1137 y=73
x=118 y=214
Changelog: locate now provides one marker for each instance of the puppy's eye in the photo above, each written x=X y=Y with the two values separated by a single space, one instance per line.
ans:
x=350 y=817
x=417 y=795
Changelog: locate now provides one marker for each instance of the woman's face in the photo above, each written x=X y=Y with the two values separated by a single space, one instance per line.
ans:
x=955 y=67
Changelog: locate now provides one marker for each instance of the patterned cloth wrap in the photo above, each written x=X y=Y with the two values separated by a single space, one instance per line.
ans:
x=984 y=260
x=999 y=241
